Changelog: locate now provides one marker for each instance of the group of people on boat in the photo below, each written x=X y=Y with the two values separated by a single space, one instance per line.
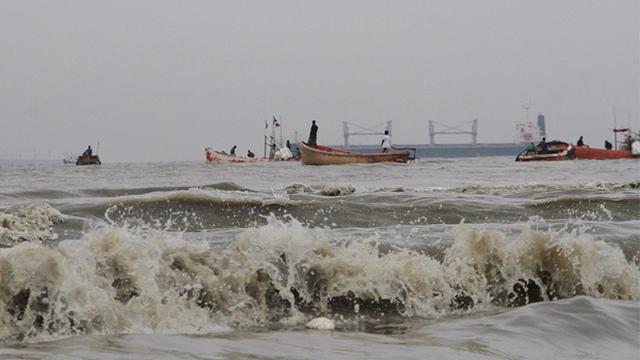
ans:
x=542 y=147
x=232 y=152
x=558 y=150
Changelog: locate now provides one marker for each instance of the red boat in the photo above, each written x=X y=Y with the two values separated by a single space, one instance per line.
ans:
x=585 y=152
x=558 y=150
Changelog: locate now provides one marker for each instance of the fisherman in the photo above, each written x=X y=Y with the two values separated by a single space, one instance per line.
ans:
x=233 y=150
x=386 y=142
x=531 y=147
x=250 y=154
x=88 y=153
x=608 y=145
x=288 y=145
x=313 y=134
x=543 y=146
x=635 y=148
x=580 y=142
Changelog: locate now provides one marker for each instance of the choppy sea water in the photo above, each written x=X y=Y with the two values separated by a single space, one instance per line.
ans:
x=450 y=258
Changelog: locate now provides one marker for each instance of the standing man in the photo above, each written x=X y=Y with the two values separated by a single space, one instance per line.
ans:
x=313 y=135
x=543 y=146
x=386 y=142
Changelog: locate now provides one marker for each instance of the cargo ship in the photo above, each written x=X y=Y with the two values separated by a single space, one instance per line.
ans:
x=525 y=133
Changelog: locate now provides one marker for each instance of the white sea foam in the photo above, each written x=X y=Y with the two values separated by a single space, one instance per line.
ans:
x=28 y=223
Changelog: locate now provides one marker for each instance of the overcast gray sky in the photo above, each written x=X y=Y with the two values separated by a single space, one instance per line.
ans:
x=160 y=80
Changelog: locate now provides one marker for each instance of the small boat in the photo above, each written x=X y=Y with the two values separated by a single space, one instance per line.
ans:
x=585 y=152
x=556 y=150
x=221 y=157
x=324 y=155
x=88 y=160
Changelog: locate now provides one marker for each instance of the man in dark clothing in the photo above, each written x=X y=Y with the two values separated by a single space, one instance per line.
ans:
x=233 y=150
x=608 y=145
x=580 y=142
x=543 y=146
x=313 y=135
x=250 y=154
x=88 y=152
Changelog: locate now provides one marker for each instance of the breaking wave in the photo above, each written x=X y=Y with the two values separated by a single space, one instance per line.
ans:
x=117 y=280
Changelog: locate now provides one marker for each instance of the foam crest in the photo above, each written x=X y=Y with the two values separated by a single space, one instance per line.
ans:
x=28 y=223
x=538 y=266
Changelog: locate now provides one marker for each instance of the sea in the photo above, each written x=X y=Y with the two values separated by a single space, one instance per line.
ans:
x=469 y=258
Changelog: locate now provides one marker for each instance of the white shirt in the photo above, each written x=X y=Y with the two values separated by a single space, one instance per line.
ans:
x=386 y=142
x=635 y=148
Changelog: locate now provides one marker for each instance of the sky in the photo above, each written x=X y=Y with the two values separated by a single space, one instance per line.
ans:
x=155 y=80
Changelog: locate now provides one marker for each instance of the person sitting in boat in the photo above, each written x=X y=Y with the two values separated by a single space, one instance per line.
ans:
x=531 y=147
x=386 y=142
x=608 y=145
x=543 y=146
x=250 y=154
x=233 y=150
x=88 y=153
x=313 y=134
x=580 y=142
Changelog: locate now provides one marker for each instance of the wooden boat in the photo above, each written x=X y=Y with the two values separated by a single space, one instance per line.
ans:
x=221 y=157
x=88 y=160
x=556 y=150
x=585 y=152
x=324 y=155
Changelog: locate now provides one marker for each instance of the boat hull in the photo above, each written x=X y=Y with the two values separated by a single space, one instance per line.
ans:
x=583 y=152
x=324 y=155
x=563 y=151
x=221 y=157
x=556 y=150
x=88 y=160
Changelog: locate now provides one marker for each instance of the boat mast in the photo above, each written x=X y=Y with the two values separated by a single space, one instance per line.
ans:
x=266 y=126
x=615 y=128
x=281 y=143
